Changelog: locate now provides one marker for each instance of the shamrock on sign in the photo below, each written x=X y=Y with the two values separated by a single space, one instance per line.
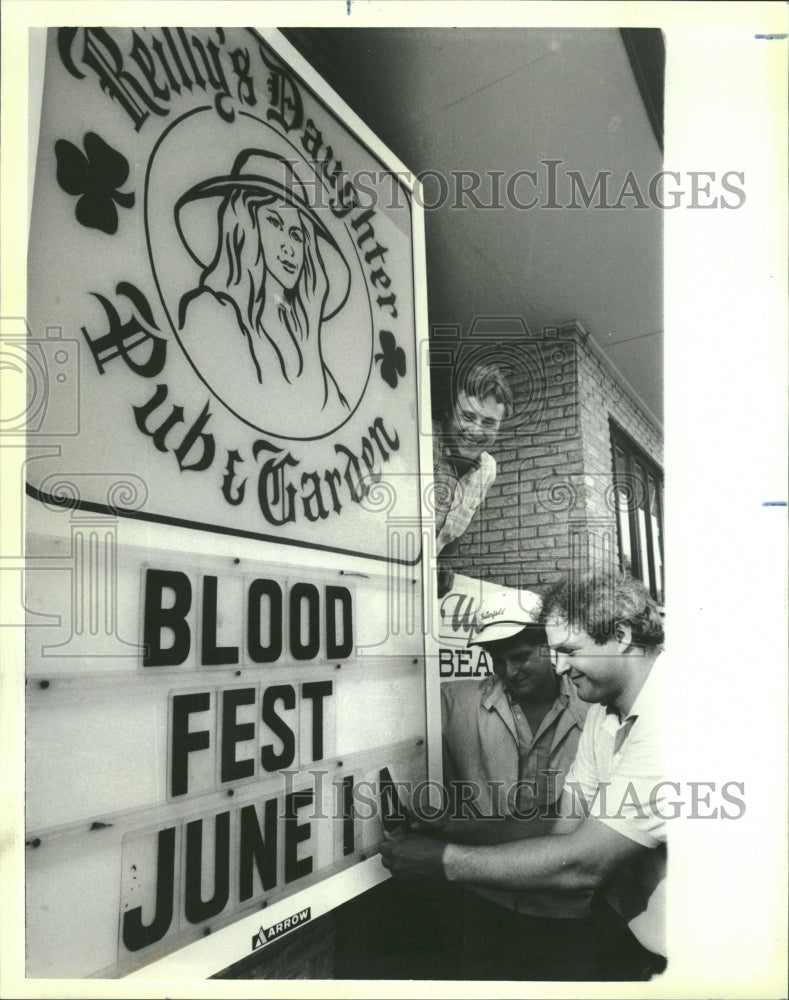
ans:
x=95 y=175
x=392 y=359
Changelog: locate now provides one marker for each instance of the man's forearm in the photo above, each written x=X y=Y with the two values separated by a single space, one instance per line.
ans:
x=542 y=863
x=583 y=859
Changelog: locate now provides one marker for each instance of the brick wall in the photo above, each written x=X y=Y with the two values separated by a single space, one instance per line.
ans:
x=552 y=494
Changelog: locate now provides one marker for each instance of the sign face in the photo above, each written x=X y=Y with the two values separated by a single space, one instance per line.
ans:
x=226 y=694
x=224 y=273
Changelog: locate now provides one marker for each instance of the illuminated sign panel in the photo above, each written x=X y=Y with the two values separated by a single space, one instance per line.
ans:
x=226 y=694
x=236 y=269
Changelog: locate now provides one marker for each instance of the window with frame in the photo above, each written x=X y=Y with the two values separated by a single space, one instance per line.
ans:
x=638 y=489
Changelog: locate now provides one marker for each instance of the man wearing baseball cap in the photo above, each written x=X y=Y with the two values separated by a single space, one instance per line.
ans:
x=508 y=742
x=509 y=739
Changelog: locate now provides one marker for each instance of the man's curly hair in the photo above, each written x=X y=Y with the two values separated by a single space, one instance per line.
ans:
x=600 y=601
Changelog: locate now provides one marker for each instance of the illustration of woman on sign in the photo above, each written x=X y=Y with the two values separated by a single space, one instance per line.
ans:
x=276 y=275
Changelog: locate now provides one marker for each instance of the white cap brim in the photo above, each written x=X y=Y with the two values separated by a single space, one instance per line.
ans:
x=494 y=631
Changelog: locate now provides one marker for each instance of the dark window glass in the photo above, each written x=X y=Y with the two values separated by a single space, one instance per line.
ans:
x=638 y=492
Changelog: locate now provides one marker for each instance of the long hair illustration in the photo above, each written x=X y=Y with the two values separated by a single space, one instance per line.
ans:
x=268 y=267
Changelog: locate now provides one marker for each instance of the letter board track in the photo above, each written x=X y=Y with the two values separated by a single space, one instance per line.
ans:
x=226 y=702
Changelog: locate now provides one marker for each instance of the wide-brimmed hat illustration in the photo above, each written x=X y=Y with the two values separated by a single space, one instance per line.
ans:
x=258 y=170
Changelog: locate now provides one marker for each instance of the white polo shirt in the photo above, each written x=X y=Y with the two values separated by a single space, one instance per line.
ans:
x=617 y=775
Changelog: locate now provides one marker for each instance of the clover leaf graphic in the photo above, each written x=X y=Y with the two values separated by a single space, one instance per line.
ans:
x=95 y=175
x=392 y=359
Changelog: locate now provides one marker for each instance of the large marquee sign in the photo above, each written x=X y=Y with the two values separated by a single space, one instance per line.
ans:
x=226 y=692
x=236 y=270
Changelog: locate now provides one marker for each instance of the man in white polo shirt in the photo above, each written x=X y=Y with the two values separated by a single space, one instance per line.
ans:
x=606 y=634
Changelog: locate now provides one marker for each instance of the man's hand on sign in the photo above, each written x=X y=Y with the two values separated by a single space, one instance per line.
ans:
x=409 y=856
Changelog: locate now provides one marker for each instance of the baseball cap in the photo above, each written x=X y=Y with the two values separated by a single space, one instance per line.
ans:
x=504 y=614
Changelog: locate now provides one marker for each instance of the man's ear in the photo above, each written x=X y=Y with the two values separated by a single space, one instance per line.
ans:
x=624 y=634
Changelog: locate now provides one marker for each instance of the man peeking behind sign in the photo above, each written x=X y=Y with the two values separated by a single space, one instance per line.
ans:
x=463 y=469
x=275 y=276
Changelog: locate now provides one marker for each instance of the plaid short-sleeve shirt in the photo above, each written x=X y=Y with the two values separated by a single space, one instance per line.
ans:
x=457 y=498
